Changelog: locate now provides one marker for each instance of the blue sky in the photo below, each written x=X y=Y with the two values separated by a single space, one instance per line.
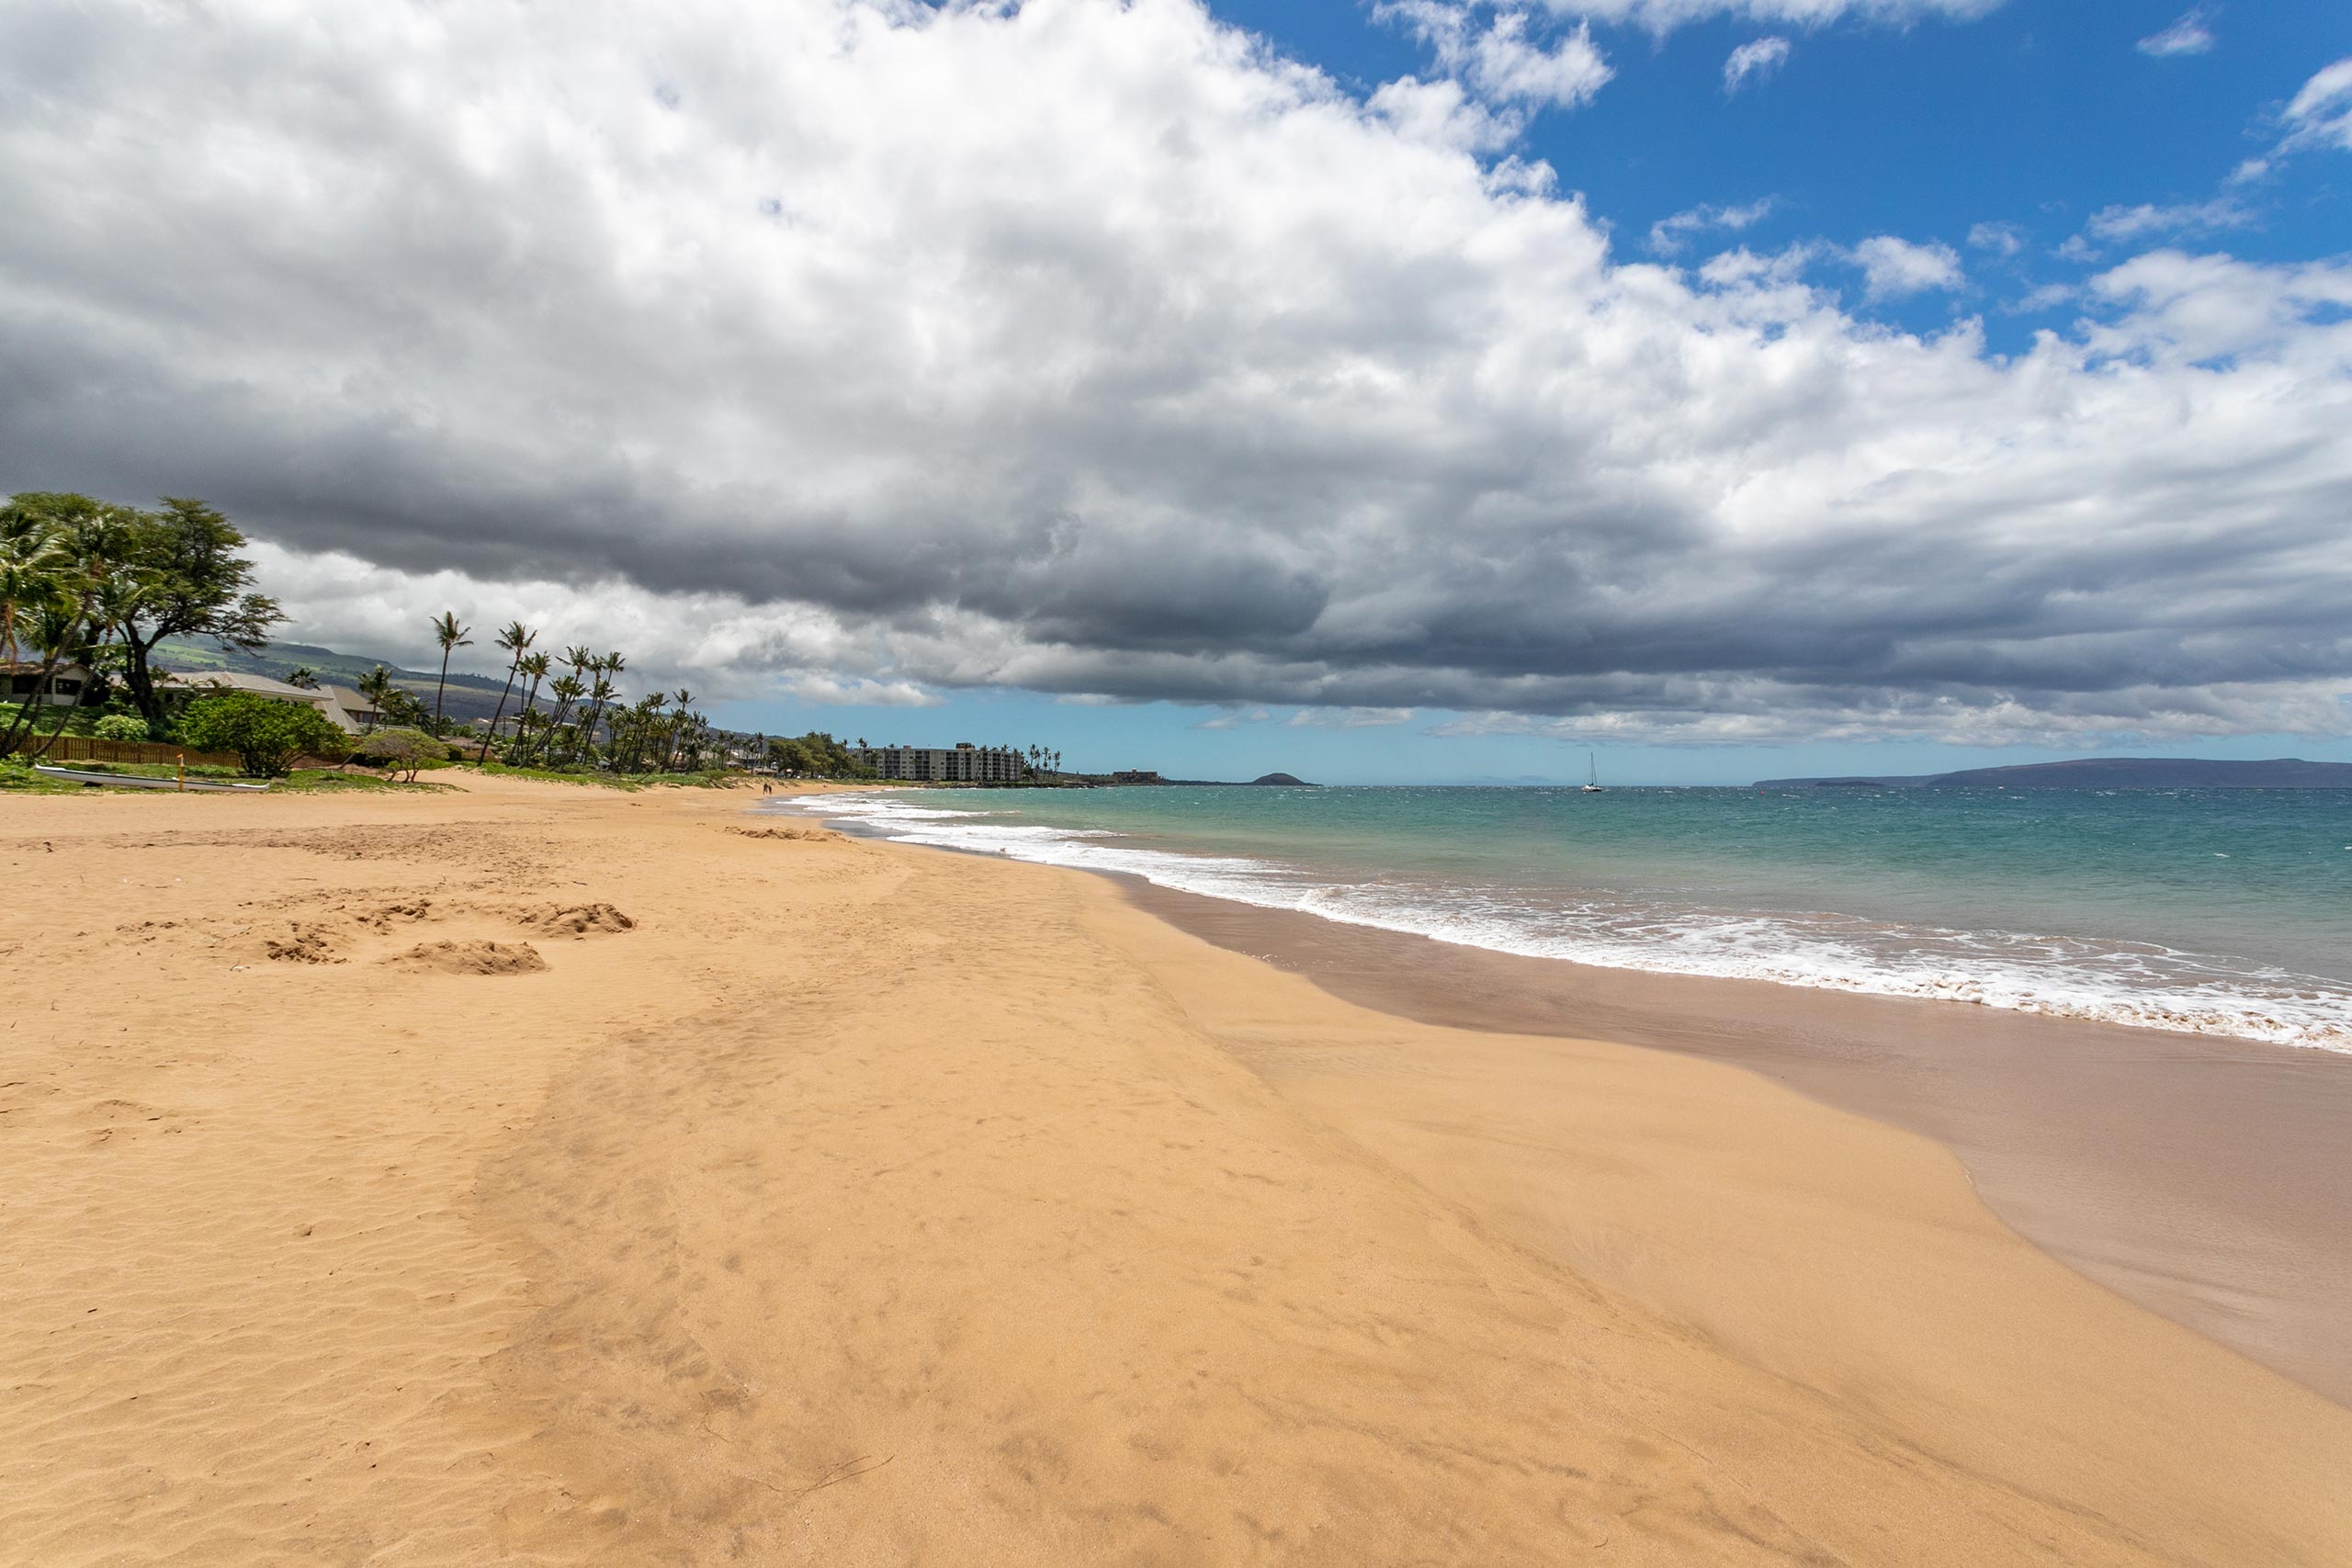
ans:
x=1430 y=390
x=2036 y=116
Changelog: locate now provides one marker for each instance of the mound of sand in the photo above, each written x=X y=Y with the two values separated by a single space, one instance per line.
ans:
x=576 y=919
x=802 y=835
x=472 y=958
x=308 y=946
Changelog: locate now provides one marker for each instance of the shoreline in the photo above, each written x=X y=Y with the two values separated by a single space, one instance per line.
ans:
x=2200 y=1176
x=548 y=1175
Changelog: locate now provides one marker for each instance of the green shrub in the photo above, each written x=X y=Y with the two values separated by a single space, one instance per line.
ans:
x=267 y=736
x=120 y=726
x=401 y=751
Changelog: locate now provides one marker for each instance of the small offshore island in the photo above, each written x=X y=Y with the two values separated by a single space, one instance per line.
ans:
x=2107 y=773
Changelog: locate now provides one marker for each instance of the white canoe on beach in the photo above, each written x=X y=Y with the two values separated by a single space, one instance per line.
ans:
x=144 y=781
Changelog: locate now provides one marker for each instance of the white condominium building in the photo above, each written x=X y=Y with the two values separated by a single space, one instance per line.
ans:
x=962 y=763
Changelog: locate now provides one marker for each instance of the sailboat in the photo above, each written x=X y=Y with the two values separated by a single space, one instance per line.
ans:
x=1592 y=786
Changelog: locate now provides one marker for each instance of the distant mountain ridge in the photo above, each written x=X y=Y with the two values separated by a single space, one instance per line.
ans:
x=2106 y=773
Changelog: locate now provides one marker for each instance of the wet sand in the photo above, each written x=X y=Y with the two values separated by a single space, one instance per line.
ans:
x=2208 y=1179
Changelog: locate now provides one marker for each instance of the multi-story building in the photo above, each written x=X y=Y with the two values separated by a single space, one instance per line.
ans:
x=962 y=763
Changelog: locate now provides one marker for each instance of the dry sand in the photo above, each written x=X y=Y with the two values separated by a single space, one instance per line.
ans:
x=547 y=1174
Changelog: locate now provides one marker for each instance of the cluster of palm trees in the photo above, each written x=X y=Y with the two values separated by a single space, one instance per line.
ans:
x=584 y=725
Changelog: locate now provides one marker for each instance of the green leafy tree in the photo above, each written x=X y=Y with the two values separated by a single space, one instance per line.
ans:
x=450 y=635
x=267 y=736
x=402 y=752
x=191 y=582
x=121 y=726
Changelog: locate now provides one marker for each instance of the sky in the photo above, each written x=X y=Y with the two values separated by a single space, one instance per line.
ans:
x=1418 y=391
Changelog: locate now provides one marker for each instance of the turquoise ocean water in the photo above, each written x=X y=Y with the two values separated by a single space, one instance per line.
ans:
x=2219 y=911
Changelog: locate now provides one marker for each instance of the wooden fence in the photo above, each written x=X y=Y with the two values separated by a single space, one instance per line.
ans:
x=85 y=749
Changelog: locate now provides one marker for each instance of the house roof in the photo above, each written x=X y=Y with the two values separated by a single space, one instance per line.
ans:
x=239 y=680
x=339 y=704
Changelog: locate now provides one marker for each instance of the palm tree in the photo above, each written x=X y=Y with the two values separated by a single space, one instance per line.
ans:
x=30 y=564
x=603 y=693
x=450 y=635
x=566 y=690
x=515 y=638
x=534 y=668
x=376 y=687
x=669 y=742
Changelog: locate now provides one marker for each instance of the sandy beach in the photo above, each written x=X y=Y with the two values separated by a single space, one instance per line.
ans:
x=543 y=1174
x=2201 y=1177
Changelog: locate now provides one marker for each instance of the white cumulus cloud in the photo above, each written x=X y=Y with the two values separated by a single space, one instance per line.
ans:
x=2124 y=224
x=1504 y=60
x=1668 y=235
x=1758 y=58
x=2188 y=34
x=1895 y=268
x=2003 y=240
x=1663 y=16
x=2319 y=115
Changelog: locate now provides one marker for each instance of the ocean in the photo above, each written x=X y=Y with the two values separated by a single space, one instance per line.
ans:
x=2216 y=911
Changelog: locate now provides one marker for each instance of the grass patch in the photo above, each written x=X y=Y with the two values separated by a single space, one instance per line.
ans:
x=24 y=781
x=301 y=781
x=331 y=781
x=712 y=779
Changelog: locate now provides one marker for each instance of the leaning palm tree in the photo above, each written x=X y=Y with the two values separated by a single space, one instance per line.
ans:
x=670 y=741
x=566 y=690
x=602 y=692
x=516 y=638
x=450 y=635
x=534 y=668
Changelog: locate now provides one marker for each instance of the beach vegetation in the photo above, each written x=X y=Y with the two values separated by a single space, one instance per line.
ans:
x=708 y=778
x=119 y=726
x=451 y=636
x=402 y=752
x=180 y=575
x=265 y=735
x=514 y=641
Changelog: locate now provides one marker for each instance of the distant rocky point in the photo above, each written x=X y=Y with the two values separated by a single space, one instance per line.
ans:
x=1282 y=778
x=2107 y=773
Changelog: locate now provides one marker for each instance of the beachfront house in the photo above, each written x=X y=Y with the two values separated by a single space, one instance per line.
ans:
x=962 y=763
x=345 y=708
x=69 y=685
